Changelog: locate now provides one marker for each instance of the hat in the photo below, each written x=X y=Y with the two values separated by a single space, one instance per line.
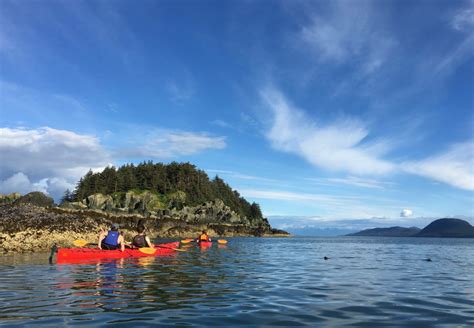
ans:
x=115 y=226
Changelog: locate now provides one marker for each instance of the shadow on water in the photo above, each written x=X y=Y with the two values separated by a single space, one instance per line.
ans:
x=251 y=281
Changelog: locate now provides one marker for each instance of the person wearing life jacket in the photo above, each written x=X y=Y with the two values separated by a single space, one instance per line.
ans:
x=141 y=239
x=203 y=237
x=111 y=239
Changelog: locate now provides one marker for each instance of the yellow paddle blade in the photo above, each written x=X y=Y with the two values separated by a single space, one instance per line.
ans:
x=186 y=241
x=80 y=243
x=147 y=250
x=222 y=241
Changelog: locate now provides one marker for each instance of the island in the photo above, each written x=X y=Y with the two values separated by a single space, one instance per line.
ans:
x=174 y=200
x=442 y=228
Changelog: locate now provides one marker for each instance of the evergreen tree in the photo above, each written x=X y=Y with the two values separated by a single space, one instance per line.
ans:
x=165 y=180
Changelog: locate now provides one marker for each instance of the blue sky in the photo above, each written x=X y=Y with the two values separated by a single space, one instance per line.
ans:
x=338 y=114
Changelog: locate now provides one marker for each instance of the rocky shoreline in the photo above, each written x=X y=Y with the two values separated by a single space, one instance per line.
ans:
x=28 y=228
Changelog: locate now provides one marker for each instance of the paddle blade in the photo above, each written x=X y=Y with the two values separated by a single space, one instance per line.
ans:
x=80 y=243
x=147 y=250
x=222 y=241
x=186 y=241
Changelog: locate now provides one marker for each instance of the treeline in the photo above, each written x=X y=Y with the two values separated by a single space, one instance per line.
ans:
x=164 y=179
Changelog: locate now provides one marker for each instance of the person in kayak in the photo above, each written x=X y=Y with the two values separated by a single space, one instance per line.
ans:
x=141 y=240
x=203 y=237
x=111 y=239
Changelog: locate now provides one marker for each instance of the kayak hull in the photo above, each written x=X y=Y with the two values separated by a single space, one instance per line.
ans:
x=67 y=255
x=205 y=243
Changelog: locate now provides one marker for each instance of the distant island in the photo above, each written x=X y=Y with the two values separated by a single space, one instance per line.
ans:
x=174 y=200
x=445 y=228
x=388 y=232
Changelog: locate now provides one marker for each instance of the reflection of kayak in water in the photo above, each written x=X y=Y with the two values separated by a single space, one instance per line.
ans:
x=68 y=255
x=205 y=243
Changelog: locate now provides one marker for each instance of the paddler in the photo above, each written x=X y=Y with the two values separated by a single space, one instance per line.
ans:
x=111 y=239
x=141 y=240
x=203 y=237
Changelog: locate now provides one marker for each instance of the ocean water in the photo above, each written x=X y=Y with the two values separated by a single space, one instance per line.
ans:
x=255 y=282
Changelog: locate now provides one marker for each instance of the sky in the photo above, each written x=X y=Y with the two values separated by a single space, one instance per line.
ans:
x=329 y=114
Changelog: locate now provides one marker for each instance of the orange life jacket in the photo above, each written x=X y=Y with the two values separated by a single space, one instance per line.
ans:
x=204 y=237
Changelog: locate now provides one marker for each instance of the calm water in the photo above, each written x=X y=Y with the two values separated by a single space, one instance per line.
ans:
x=252 y=282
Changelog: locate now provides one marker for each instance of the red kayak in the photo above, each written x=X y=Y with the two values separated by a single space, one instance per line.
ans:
x=66 y=255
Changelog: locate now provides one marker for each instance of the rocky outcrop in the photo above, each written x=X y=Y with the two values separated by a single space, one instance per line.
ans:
x=35 y=198
x=152 y=205
x=10 y=198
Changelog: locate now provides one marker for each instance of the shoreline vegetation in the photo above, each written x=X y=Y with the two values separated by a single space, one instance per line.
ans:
x=174 y=201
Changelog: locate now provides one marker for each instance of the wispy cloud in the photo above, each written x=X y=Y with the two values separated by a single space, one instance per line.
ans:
x=330 y=206
x=164 y=144
x=347 y=32
x=238 y=175
x=340 y=146
x=353 y=181
x=463 y=20
x=221 y=123
x=454 y=167
x=181 y=91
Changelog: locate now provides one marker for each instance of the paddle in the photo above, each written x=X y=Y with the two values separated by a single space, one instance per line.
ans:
x=81 y=243
x=149 y=250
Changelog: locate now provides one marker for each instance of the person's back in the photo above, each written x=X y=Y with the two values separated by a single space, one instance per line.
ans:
x=141 y=240
x=203 y=237
x=112 y=239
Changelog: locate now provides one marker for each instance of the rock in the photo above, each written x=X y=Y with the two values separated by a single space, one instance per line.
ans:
x=99 y=202
x=73 y=205
x=35 y=198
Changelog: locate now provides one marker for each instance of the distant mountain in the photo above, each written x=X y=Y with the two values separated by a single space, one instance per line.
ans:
x=388 y=232
x=318 y=232
x=454 y=228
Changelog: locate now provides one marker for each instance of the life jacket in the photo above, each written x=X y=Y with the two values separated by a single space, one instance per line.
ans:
x=204 y=237
x=139 y=241
x=112 y=238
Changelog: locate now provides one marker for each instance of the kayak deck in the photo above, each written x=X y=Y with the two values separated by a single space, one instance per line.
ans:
x=66 y=255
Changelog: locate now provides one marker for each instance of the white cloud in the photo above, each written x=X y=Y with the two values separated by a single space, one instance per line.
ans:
x=454 y=167
x=19 y=182
x=339 y=146
x=47 y=159
x=406 y=213
x=171 y=144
